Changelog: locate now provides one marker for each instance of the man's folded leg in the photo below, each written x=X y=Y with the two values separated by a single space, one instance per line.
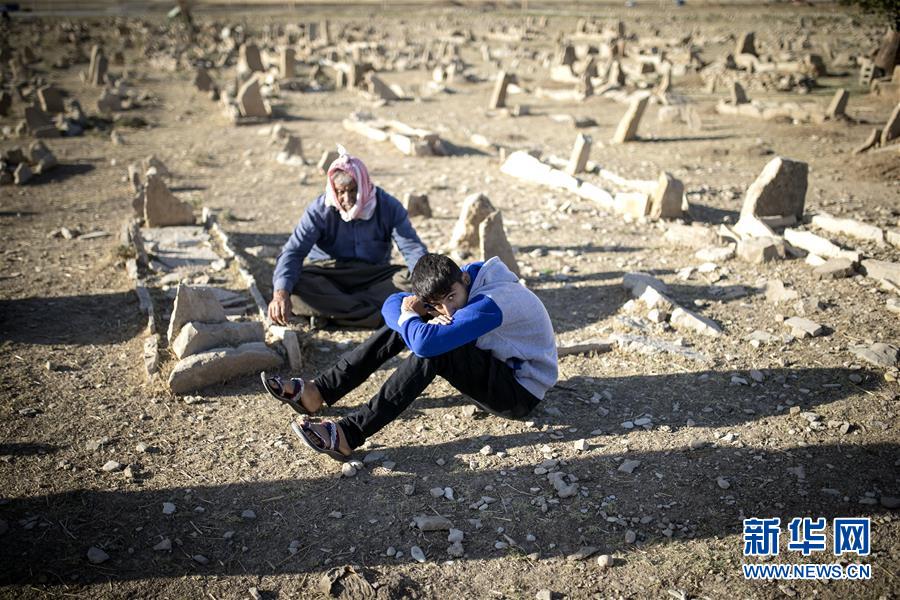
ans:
x=355 y=366
x=472 y=371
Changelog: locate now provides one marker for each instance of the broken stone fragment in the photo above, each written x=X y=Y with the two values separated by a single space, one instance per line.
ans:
x=666 y=200
x=777 y=293
x=690 y=236
x=197 y=336
x=465 y=240
x=879 y=354
x=162 y=208
x=760 y=250
x=250 y=100
x=22 y=174
x=628 y=126
x=493 y=242
x=685 y=319
x=432 y=523
x=417 y=205
x=835 y=268
x=194 y=304
x=809 y=241
x=804 y=328
x=222 y=364
x=779 y=191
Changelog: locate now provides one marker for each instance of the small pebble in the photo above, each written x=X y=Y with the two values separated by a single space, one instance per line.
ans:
x=417 y=554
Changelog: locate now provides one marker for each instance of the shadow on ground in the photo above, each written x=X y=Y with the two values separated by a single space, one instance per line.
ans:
x=677 y=488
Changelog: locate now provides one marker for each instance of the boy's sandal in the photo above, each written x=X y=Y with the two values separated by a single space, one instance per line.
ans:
x=327 y=444
x=275 y=386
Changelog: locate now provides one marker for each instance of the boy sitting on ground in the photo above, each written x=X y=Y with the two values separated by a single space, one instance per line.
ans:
x=477 y=327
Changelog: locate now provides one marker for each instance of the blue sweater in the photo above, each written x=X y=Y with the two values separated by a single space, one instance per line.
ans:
x=501 y=316
x=323 y=234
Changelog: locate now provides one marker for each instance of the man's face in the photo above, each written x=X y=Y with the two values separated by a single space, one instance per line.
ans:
x=346 y=195
x=453 y=301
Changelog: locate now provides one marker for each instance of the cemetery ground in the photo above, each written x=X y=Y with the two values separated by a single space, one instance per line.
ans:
x=112 y=486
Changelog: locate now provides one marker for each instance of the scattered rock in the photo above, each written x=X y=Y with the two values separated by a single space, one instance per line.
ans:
x=164 y=546
x=112 y=466
x=168 y=508
x=804 y=328
x=432 y=523
x=628 y=466
x=417 y=554
x=604 y=561
x=96 y=556
x=879 y=354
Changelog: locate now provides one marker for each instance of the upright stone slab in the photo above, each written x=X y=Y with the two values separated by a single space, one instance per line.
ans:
x=580 y=154
x=194 y=304
x=250 y=100
x=498 y=96
x=666 y=200
x=5 y=103
x=838 y=106
x=250 y=57
x=417 y=205
x=328 y=157
x=39 y=124
x=494 y=243
x=288 y=60
x=51 y=100
x=162 y=208
x=891 y=129
x=616 y=75
x=293 y=146
x=99 y=70
x=465 y=239
x=628 y=126
x=202 y=80
x=746 y=44
x=780 y=190
x=222 y=364
x=379 y=88
x=738 y=95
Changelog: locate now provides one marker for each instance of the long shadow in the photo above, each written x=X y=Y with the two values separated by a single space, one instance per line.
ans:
x=62 y=172
x=584 y=249
x=26 y=449
x=18 y=213
x=674 y=494
x=711 y=214
x=460 y=150
x=87 y=319
x=686 y=138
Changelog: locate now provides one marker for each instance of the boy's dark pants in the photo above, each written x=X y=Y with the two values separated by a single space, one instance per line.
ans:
x=472 y=371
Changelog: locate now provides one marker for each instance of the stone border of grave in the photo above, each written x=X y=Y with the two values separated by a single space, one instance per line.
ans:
x=131 y=236
x=194 y=371
x=289 y=338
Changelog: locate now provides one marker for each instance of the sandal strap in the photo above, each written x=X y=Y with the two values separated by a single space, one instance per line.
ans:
x=298 y=387
x=329 y=443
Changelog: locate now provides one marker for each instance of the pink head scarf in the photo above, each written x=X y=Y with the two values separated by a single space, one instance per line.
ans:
x=365 y=191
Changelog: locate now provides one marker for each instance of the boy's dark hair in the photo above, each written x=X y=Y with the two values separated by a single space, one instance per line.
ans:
x=434 y=276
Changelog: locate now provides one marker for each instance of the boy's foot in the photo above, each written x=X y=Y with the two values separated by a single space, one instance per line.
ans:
x=326 y=437
x=301 y=396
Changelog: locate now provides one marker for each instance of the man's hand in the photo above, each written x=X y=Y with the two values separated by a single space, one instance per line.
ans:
x=280 y=307
x=440 y=319
x=412 y=303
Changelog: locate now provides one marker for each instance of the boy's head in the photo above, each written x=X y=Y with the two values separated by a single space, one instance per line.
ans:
x=439 y=282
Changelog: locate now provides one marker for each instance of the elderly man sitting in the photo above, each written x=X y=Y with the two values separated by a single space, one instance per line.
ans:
x=346 y=233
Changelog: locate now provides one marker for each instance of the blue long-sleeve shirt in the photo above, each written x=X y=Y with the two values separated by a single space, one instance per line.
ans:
x=323 y=234
x=479 y=316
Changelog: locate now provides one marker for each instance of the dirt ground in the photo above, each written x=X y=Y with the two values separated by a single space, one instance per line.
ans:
x=713 y=452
